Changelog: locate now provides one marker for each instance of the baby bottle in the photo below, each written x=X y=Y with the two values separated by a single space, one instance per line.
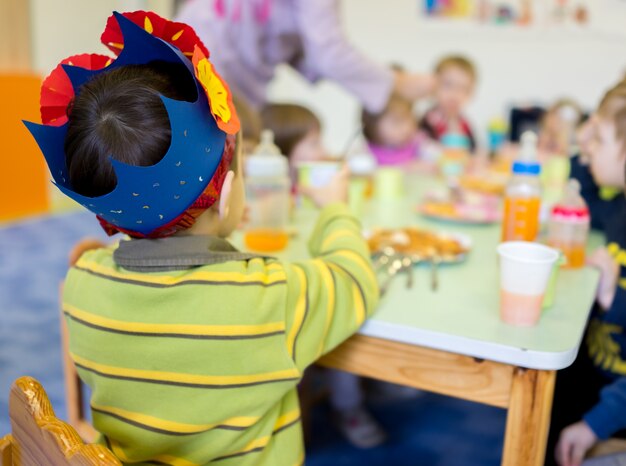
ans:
x=569 y=226
x=523 y=194
x=268 y=197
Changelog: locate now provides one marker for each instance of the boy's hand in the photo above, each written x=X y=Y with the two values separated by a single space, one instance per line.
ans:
x=82 y=247
x=609 y=274
x=574 y=442
x=335 y=191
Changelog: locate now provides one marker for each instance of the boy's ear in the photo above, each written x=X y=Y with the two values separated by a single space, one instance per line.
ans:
x=227 y=188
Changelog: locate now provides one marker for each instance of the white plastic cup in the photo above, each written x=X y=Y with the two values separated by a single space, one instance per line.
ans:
x=525 y=270
x=315 y=175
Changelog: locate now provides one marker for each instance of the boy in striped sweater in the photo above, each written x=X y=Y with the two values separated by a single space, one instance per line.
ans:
x=192 y=349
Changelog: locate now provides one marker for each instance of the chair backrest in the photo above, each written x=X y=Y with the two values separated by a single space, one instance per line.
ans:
x=38 y=438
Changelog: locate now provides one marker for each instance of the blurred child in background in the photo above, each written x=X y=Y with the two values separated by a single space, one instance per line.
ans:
x=391 y=135
x=297 y=133
x=455 y=83
x=250 y=124
x=590 y=396
x=557 y=132
x=556 y=142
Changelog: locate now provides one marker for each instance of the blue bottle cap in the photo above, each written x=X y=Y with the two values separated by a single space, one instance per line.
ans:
x=526 y=168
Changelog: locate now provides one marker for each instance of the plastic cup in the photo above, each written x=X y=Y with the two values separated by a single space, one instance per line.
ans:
x=548 y=297
x=525 y=270
x=389 y=184
x=315 y=175
x=356 y=195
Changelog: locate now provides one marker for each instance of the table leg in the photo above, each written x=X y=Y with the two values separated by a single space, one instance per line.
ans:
x=528 y=419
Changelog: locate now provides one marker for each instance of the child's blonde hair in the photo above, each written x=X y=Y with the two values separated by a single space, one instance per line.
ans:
x=613 y=108
x=564 y=103
x=458 y=61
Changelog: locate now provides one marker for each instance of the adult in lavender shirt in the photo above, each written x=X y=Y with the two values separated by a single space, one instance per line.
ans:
x=249 y=38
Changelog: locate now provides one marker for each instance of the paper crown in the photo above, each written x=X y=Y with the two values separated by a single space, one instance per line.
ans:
x=147 y=198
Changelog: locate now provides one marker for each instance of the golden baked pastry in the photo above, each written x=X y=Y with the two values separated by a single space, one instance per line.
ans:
x=415 y=241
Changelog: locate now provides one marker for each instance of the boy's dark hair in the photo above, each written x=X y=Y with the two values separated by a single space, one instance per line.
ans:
x=119 y=114
x=290 y=123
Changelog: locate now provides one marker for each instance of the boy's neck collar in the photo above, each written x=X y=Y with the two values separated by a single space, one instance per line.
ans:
x=176 y=253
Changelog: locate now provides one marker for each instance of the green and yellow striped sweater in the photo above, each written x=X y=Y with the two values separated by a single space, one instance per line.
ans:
x=200 y=366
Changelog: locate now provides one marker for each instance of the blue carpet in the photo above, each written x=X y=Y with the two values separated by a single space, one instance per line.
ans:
x=430 y=430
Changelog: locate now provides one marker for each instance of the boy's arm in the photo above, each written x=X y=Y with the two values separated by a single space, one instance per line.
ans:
x=617 y=310
x=330 y=296
x=609 y=415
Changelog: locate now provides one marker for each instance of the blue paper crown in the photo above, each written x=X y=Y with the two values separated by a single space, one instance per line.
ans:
x=145 y=198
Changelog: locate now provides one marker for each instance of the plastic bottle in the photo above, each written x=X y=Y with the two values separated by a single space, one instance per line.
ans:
x=455 y=154
x=522 y=200
x=267 y=197
x=362 y=168
x=496 y=135
x=569 y=226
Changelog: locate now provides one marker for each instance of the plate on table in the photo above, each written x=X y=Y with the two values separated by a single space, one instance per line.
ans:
x=419 y=243
x=466 y=207
x=490 y=183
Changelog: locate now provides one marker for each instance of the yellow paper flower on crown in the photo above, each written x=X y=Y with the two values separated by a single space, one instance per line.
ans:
x=218 y=93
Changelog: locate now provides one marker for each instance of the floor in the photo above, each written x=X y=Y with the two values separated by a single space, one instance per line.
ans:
x=427 y=430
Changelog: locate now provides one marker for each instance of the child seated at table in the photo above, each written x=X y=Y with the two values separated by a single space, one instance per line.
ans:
x=297 y=133
x=590 y=396
x=603 y=202
x=556 y=141
x=192 y=349
x=557 y=129
x=391 y=135
x=455 y=83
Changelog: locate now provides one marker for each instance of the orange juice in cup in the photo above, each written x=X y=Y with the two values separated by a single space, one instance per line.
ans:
x=266 y=239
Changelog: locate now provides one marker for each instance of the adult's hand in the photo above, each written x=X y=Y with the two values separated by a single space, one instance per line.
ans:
x=413 y=86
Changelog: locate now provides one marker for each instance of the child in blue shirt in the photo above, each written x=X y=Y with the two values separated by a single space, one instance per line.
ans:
x=603 y=203
x=590 y=398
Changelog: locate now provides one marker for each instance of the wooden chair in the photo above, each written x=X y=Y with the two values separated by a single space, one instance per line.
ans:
x=38 y=438
x=611 y=452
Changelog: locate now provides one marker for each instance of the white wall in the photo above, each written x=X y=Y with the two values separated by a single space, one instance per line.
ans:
x=67 y=27
x=514 y=64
